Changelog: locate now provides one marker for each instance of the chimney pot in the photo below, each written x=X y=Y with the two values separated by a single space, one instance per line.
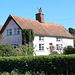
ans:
x=40 y=10
x=40 y=16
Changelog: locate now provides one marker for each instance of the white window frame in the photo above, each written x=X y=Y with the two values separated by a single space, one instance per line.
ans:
x=9 y=32
x=59 y=39
x=41 y=37
x=16 y=31
x=41 y=47
x=58 y=46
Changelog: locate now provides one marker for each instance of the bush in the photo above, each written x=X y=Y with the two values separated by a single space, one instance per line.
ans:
x=6 y=49
x=50 y=65
x=69 y=50
x=23 y=51
x=18 y=73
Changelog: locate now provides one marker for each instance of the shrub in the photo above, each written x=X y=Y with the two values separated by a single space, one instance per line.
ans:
x=69 y=50
x=51 y=65
x=23 y=51
x=6 y=49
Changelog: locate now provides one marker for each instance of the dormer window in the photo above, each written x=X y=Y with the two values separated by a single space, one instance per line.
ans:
x=41 y=37
x=9 y=32
x=16 y=31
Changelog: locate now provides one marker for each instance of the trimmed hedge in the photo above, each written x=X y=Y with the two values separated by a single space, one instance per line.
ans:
x=53 y=64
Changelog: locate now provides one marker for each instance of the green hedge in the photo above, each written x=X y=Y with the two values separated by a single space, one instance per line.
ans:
x=53 y=64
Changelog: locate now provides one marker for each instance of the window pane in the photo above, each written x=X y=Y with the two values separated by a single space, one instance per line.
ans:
x=9 y=31
x=59 y=46
x=16 y=31
x=41 y=46
x=41 y=37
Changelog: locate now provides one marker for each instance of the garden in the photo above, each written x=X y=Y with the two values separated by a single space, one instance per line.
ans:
x=20 y=61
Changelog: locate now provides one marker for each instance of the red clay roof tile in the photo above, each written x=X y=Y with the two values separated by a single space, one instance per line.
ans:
x=48 y=29
x=45 y=28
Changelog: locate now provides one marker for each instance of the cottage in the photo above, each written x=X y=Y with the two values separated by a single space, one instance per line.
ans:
x=49 y=37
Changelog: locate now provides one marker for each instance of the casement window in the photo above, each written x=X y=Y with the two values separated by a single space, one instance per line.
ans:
x=41 y=46
x=15 y=45
x=58 y=46
x=9 y=32
x=59 y=39
x=41 y=37
x=16 y=31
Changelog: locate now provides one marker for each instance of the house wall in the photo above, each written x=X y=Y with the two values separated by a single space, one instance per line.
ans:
x=12 y=39
x=65 y=42
x=17 y=39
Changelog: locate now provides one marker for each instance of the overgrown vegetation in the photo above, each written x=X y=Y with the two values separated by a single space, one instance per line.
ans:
x=50 y=65
x=69 y=50
x=6 y=49
x=18 y=73
x=27 y=36
x=23 y=51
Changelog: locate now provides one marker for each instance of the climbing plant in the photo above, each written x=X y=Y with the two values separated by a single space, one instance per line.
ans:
x=27 y=36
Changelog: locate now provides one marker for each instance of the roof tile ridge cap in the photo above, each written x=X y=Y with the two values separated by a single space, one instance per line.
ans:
x=53 y=23
x=23 y=18
x=15 y=20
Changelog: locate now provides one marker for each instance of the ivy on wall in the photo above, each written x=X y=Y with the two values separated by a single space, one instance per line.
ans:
x=27 y=36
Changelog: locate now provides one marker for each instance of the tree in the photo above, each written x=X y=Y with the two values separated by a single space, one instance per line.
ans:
x=27 y=36
x=24 y=36
x=71 y=30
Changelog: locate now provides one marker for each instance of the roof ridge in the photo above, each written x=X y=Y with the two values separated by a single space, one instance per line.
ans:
x=35 y=20
x=23 y=18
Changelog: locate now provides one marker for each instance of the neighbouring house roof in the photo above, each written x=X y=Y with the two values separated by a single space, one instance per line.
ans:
x=45 y=28
x=0 y=26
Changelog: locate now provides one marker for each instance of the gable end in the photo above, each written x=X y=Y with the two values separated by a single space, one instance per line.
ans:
x=7 y=22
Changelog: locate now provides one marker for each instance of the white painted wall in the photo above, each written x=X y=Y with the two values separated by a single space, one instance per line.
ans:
x=12 y=39
x=65 y=42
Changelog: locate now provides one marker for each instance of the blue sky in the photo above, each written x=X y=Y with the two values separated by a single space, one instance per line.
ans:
x=55 y=11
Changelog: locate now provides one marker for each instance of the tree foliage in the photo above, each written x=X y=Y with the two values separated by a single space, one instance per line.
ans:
x=71 y=30
x=27 y=36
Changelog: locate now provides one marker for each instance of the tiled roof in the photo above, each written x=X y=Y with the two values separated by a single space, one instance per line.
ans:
x=49 y=29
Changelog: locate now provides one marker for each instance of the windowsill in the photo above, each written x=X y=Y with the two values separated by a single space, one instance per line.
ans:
x=16 y=34
x=8 y=35
x=41 y=50
x=59 y=41
x=41 y=40
x=13 y=35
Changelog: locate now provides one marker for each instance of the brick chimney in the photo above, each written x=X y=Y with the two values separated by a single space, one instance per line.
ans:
x=40 y=16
